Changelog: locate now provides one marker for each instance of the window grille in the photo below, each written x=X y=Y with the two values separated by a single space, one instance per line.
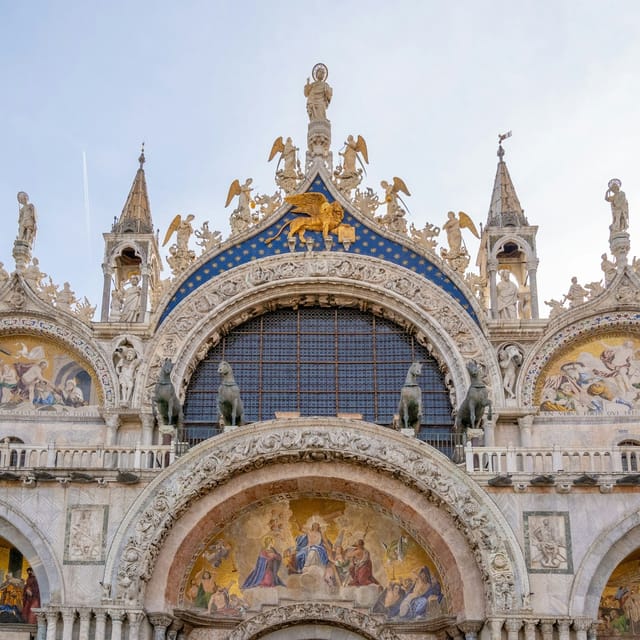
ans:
x=318 y=362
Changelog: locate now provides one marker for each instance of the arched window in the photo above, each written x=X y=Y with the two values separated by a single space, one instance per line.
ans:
x=317 y=361
x=630 y=454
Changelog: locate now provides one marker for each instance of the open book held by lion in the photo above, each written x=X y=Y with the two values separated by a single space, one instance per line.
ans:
x=319 y=215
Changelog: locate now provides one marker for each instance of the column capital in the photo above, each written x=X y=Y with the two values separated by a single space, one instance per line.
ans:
x=513 y=624
x=582 y=624
x=116 y=615
x=160 y=619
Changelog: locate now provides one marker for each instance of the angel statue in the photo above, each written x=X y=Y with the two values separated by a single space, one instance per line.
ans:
x=287 y=177
x=241 y=218
x=348 y=175
x=457 y=255
x=394 y=218
x=319 y=215
x=180 y=255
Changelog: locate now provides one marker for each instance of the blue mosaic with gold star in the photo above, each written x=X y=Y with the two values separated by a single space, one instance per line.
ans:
x=368 y=242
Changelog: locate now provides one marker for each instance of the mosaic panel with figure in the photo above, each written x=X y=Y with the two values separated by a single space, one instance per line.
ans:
x=620 y=602
x=35 y=373
x=597 y=376
x=19 y=589
x=314 y=549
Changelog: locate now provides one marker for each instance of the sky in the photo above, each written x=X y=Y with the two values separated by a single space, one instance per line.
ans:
x=209 y=85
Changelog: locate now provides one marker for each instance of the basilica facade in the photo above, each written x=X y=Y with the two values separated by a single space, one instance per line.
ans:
x=327 y=425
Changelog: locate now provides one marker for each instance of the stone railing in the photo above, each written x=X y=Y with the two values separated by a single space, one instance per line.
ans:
x=553 y=459
x=16 y=456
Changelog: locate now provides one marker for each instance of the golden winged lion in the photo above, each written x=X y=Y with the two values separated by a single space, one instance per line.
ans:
x=319 y=215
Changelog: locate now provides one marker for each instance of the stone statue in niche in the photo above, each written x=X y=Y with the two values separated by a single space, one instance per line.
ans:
x=127 y=362
x=609 y=269
x=166 y=406
x=510 y=359
x=507 y=293
x=230 y=407
x=130 y=308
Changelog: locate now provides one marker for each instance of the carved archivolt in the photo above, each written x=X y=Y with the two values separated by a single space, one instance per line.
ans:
x=230 y=299
x=567 y=335
x=365 y=625
x=138 y=543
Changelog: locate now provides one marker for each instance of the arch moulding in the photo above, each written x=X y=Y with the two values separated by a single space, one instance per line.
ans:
x=137 y=544
x=325 y=279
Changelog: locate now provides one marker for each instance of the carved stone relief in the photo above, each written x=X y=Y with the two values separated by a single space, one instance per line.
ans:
x=141 y=537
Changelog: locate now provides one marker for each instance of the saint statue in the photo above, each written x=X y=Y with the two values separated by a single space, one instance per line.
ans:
x=318 y=93
x=619 y=206
x=27 y=220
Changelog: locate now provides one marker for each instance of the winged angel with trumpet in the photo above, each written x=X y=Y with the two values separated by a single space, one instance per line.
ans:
x=319 y=215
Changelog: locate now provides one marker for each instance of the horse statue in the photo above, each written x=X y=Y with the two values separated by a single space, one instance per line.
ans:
x=166 y=406
x=410 y=407
x=229 y=401
x=471 y=411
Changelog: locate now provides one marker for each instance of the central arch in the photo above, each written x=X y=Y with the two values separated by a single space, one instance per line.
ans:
x=423 y=488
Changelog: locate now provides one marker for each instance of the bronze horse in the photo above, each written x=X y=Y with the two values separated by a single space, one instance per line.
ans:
x=471 y=411
x=229 y=402
x=166 y=406
x=410 y=407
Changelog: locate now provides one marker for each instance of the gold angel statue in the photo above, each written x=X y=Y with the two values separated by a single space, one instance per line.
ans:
x=241 y=217
x=183 y=230
x=319 y=215
x=350 y=154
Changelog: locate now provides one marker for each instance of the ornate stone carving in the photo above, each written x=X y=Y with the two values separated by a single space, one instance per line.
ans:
x=306 y=611
x=338 y=440
x=393 y=293
x=208 y=240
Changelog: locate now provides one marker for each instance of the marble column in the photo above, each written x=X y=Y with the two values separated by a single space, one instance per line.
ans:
x=581 y=626
x=106 y=292
x=52 y=624
x=530 y=629
x=148 y=423
x=85 y=620
x=68 y=619
x=546 y=626
x=592 y=633
x=134 y=618
x=532 y=270
x=117 y=617
x=525 y=423
x=101 y=623
x=493 y=288
x=41 y=617
x=495 y=625
x=160 y=622
x=513 y=628
x=563 y=629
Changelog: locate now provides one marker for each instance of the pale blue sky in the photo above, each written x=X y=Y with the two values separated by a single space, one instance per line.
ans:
x=209 y=85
